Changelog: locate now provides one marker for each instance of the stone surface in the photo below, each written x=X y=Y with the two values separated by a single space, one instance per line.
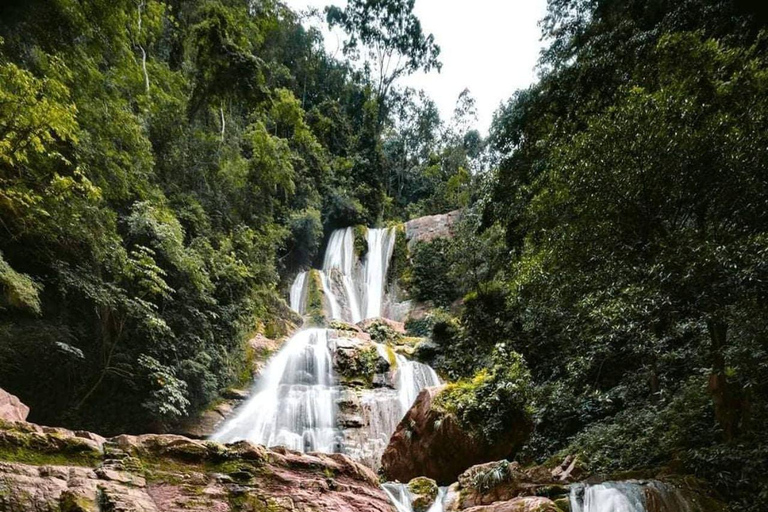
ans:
x=430 y=442
x=397 y=327
x=423 y=493
x=11 y=408
x=528 y=504
x=171 y=473
x=426 y=229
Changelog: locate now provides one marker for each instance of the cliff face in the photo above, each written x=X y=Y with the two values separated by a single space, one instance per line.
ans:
x=53 y=469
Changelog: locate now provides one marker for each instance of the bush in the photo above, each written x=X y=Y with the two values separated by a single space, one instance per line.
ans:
x=430 y=273
x=495 y=400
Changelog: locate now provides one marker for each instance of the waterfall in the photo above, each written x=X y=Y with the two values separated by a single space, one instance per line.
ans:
x=340 y=261
x=298 y=289
x=401 y=497
x=381 y=243
x=630 y=496
x=293 y=404
x=412 y=377
x=354 y=290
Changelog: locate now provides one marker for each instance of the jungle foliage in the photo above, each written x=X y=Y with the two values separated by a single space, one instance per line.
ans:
x=626 y=234
x=162 y=163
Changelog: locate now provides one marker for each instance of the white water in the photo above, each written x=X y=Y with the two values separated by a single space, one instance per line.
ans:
x=354 y=290
x=293 y=404
x=298 y=289
x=381 y=244
x=608 y=497
x=630 y=496
x=411 y=378
x=401 y=497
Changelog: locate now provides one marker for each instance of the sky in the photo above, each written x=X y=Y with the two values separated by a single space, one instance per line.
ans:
x=487 y=46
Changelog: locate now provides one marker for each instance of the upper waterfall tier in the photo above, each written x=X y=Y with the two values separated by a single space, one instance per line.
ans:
x=353 y=288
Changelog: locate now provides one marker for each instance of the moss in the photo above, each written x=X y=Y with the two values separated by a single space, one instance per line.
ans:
x=564 y=504
x=27 y=455
x=17 y=445
x=315 y=294
x=424 y=491
x=360 y=370
x=361 y=241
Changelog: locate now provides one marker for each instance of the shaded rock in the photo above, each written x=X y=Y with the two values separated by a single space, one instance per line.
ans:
x=431 y=442
x=11 y=408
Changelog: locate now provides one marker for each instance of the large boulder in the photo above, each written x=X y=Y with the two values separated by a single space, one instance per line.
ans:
x=54 y=469
x=431 y=442
x=11 y=408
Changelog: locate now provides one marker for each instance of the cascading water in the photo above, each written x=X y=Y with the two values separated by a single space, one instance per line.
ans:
x=381 y=244
x=293 y=403
x=298 y=290
x=401 y=498
x=354 y=290
x=630 y=496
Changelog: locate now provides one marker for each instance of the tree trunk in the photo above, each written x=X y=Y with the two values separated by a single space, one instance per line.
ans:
x=725 y=396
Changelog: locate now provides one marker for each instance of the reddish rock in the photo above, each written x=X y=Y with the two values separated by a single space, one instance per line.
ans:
x=170 y=473
x=528 y=504
x=426 y=229
x=430 y=442
x=11 y=408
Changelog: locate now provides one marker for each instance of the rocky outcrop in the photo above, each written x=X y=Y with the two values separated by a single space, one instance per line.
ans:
x=56 y=469
x=531 y=504
x=426 y=229
x=11 y=408
x=431 y=442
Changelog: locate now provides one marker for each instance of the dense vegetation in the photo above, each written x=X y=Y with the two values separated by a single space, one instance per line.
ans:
x=164 y=163
x=161 y=164
x=625 y=238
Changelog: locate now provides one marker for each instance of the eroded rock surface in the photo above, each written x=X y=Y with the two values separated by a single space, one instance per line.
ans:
x=56 y=469
x=11 y=408
x=426 y=229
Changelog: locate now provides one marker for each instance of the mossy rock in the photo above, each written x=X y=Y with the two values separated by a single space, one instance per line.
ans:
x=424 y=492
x=361 y=241
x=315 y=295
x=563 y=504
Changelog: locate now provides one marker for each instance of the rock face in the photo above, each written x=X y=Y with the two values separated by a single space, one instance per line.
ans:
x=430 y=442
x=11 y=408
x=426 y=229
x=530 y=504
x=56 y=469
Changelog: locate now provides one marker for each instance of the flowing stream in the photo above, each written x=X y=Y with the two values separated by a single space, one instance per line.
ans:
x=401 y=498
x=630 y=496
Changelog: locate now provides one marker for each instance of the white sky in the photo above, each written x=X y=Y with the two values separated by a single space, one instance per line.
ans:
x=488 y=46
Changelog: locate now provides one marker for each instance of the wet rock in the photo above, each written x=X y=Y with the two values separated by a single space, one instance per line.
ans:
x=431 y=442
x=423 y=493
x=395 y=326
x=11 y=408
